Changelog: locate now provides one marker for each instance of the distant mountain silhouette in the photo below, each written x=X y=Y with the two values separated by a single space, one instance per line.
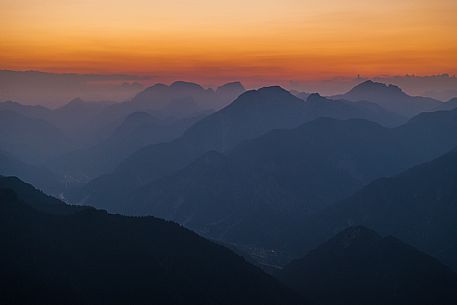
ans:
x=343 y=109
x=449 y=105
x=186 y=97
x=252 y=114
x=299 y=94
x=39 y=176
x=284 y=173
x=133 y=122
x=53 y=89
x=81 y=120
x=418 y=206
x=94 y=144
x=229 y=92
x=233 y=88
x=278 y=179
x=178 y=95
x=86 y=123
x=358 y=266
x=33 y=111
x=391 y=98
x=243 y=196
x=91 y=122
x=78 y=107
x=90 y=257
x=137 y=130
x=30 y=139
x=78 y=120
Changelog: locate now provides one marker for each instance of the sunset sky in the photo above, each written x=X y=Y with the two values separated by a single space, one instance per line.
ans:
x=207 y=40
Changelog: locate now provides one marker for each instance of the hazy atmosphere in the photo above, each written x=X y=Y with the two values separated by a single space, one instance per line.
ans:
x=228 y=152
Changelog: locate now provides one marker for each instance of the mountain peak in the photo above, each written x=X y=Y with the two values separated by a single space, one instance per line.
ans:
x=229 y=91
x=157 y=86
x=316 y=98
x=370 y=86
x=237 y=85
x=358 y=260
x=231 y=87
x=275 y=94
x=76 y=103
x=390 y=97
x=273 y=89
x=185 y=85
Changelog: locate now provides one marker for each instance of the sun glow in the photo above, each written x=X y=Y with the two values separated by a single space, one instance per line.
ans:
x=205 y=39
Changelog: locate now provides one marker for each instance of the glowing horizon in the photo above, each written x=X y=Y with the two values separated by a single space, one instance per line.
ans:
x=222 y=40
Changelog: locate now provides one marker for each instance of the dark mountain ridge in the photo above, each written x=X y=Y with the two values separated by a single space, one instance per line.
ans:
x=418 y=206
x=358 y=266
x=253 y=193
x=390 y=97
x=91 y=257
x=252 y=114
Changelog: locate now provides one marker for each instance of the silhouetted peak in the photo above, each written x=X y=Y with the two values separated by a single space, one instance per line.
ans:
x=185 y=85
x=133 y=121
x=435 y=118
x=369 y=83
x=232 y=86
x=76 y=103
x=274 y=90
x=370 y=87
x=157 y=87
x=273 y=93
x=302 y=95
x=449 y=105
x=316 y=98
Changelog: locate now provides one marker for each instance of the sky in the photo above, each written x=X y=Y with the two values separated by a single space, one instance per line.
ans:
x=212 y=41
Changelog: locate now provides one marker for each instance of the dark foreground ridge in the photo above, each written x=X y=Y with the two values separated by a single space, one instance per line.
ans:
x=87 y=256
x=358 y=266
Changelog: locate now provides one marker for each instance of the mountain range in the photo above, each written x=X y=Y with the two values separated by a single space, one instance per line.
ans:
x=418 y=206
x=292 y=198
x=86 y=256
x=137 y=130
x=449 y=105
x=91 y=129
x=249 y=194
x=390 y=97
x=41 y=177
x=30 y=139
x=358 y=266
x=250 y=115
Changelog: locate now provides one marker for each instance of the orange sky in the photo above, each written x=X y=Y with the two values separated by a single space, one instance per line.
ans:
x=205 y=40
